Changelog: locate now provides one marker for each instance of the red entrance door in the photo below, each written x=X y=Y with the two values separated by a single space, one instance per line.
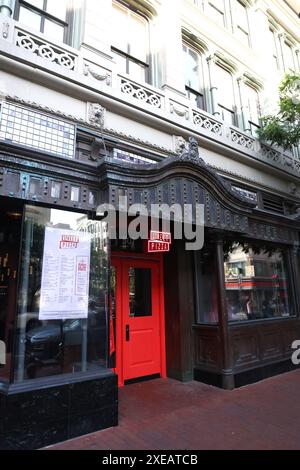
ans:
x=139 y=318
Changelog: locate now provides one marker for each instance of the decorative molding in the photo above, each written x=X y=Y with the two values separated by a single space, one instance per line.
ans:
x=109 y=131
x=242 y=139
x=179 y=110
x=140 y=93
x=45 y=50
x=245 y=179
x=192 y=152
x=5 y=30
x=89 y=71
x=45 y=109
x=180 y=144
x=136 y=140
x=96 y=114
x=210 y=124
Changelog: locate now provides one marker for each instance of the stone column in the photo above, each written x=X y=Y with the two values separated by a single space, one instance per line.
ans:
x=227 y=372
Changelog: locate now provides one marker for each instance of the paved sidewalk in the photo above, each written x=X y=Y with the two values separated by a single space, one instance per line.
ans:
x=166 y=414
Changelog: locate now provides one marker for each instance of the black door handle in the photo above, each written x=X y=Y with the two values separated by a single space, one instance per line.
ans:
x=127 y=333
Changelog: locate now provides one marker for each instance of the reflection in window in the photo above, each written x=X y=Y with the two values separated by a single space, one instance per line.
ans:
x=288 y=56
x=61 y=321
x=45 y=16
x=242 y=22
x=274 y=45
x=206 y=286
x=193 y=77
x=131 y=42
x=216 y=9
x=140 y=292
x=257 y=282
x=226 y=103
x=252 y=102
x=10 y=223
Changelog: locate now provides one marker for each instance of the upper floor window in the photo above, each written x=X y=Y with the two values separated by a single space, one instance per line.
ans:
x=288 y=57
x=51 y=17
x=251 y=99
x=274 y=45
x=242 y=22
x=193 y=76
x=131 y=42
x=216 y=9
x=226 y=100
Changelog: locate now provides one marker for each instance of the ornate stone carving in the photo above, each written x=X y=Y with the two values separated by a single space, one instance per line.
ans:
x=96 y=147
x=209 y=124
x=98 y=76
x=192 y=153
x=293 y=189
x=5 y=30
x=96 y=114
x=180 y=144
x=46 y=50
x=142 y=94
x=296 y=215
x=179 y=110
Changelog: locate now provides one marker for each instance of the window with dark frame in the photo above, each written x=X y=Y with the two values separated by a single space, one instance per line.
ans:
x=288 y=57
x=274 y=46
x=193 y=76
x=242 y=22
x=130 y=45
x=51 y=17
x=216 y=9
x=206 y=285
x=257 y=281
x=252 y=103
x=226 y=102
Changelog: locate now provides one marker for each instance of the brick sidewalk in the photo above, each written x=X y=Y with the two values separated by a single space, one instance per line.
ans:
x=166 y=414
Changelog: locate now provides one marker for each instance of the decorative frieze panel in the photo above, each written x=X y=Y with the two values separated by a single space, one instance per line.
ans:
x=98 y=73
x=242 y=139
x=47 y=189
x=45 y=50
x=140 y=93
x=207 y=123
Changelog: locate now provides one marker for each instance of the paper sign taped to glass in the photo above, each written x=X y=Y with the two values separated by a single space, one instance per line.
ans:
x=65 y=274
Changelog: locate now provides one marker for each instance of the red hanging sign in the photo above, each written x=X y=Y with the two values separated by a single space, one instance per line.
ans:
x=159 y=242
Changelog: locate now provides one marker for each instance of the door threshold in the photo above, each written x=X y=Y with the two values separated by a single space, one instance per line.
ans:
x=142 y=379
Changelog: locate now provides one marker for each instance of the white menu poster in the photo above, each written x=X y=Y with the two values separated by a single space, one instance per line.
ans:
x=65 y=275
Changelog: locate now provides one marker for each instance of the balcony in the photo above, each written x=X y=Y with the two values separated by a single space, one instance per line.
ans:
x=175 y=115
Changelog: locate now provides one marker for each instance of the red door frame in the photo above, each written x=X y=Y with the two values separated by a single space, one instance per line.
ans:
x=116 y=261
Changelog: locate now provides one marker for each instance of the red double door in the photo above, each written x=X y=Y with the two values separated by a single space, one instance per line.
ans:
x=137 y=286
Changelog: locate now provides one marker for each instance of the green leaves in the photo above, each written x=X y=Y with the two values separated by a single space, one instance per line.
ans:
x=283 y=129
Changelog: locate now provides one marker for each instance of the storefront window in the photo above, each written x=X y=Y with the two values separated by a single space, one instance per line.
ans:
x=257 y=282
x=10 y=230
x=62 y=317
x=206 y=286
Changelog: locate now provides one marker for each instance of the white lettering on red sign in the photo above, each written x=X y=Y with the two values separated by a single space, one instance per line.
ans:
x=157 y=246
x=160 y=236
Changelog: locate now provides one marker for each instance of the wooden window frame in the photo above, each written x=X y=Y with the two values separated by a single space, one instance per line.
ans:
x=67 y=24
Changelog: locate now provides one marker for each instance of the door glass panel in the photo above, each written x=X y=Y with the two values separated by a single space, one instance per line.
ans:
x=140 y=292
x=112 y=320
